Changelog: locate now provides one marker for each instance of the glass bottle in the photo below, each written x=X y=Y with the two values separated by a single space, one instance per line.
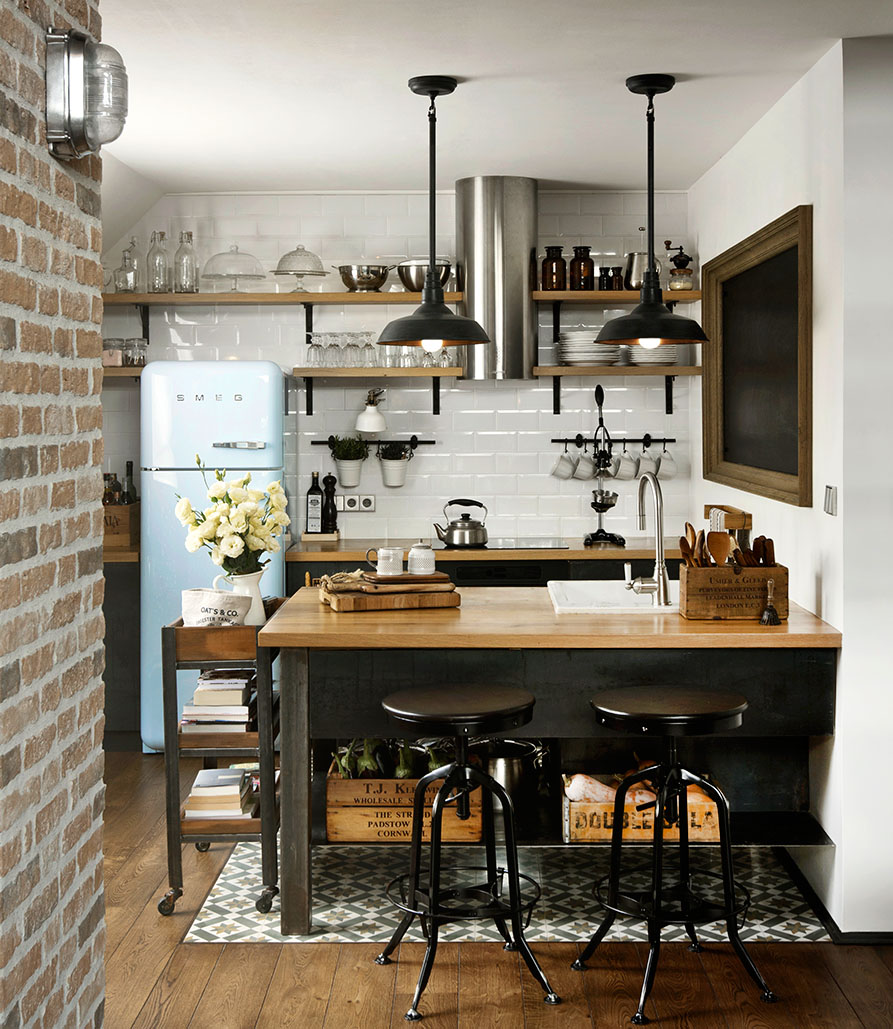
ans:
x=139 y=264
x=617 y=277
x=554 y=269
x=106 y=487
x=604 y=278
x=582 y=269
x=158 y=268
x=125 y=276
x=129 y=496
x=185 y=266
x=115 y=489
x=314 y=506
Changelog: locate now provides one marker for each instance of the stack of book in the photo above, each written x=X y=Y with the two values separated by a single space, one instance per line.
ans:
x=221 y=793
x=224 y=701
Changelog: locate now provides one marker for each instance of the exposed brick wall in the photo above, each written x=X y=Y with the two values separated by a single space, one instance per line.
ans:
x=51 y=626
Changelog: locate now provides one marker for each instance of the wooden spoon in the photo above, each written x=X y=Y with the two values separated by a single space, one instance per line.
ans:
x=758 y=549
x=700 y=550
x=690 y=535
x=769 y=552
x=686 y=550
x=719 y=544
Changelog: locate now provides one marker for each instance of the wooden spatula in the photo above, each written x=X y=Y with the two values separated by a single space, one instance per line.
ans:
x=690 y=535
x=687 y=555
x=758 y=548
x=719 y=544
x=769 y=553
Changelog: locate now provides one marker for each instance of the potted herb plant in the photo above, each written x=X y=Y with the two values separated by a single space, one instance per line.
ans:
x=349 y=452
x=394 y=458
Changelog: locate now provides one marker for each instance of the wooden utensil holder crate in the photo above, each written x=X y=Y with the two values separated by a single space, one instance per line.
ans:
x=731 y=592
x=380 y=811
x=122 y=526
x=593 y=822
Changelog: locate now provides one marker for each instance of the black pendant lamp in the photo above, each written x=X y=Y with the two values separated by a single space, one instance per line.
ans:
x=432 y=325
x=652 y=322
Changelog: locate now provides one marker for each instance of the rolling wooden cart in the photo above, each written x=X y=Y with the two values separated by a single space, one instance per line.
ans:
x=230 y=647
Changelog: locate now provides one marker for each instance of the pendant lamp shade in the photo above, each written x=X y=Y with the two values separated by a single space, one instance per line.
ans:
x=432 y=325
x=652 y=322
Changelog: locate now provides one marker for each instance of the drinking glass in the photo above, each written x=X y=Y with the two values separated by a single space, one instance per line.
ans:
x=351 y=349
x=314 y=351
x=368 y=351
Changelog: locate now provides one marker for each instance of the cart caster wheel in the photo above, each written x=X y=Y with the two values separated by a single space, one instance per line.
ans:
x=265 y=901
x=167 y=902
x=203 y=846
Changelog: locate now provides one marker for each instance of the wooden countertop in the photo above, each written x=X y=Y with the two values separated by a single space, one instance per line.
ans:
x=355 y=550
x=523 y=618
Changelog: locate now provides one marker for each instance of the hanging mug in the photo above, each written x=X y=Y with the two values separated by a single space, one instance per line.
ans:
x=626 y=465
x=647 y=463
x=667 y=469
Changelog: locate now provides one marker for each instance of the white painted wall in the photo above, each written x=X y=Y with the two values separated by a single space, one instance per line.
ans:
x=827 y=143
x=493 y=438
x=126 y=196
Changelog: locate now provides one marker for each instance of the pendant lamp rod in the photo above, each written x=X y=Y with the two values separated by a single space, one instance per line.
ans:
x=432 y=179
x=649 y=116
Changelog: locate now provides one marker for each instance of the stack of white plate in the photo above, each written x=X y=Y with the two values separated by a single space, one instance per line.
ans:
x=665 y=354
x=577 y=347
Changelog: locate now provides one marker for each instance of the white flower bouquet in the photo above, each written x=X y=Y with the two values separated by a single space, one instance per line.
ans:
x=240 y=525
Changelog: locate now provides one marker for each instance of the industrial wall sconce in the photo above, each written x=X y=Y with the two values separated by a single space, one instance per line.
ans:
x=86 y=94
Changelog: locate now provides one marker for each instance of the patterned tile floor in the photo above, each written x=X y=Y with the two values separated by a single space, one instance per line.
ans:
x=349 y=903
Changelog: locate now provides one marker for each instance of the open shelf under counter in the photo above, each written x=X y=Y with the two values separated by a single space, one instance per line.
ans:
x=122 y=372
x=120 y=556
x=372 y=374
x=610 y=297
x=265 y=299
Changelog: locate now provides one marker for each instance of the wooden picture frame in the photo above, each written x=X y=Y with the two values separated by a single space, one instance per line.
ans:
x=757 y=375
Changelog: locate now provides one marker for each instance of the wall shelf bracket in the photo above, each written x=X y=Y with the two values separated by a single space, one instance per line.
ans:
x=668 y=393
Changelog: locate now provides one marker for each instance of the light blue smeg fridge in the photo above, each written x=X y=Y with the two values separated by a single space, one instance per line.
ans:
x=230 y=413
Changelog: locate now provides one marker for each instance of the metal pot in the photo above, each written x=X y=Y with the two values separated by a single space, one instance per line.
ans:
x=364 y=278
x=412 y=273
x=636 y=263
x=464 y=531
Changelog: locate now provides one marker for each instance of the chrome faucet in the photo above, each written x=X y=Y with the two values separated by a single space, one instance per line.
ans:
x=658 y=585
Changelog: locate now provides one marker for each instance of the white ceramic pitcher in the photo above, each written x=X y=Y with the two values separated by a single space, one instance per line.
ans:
x=247 y=585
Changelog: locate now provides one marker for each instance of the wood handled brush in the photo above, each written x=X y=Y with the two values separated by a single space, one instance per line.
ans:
x=770 y=615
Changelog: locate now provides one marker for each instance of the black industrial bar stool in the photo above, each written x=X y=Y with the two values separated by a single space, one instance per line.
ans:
x=671 y=712
x=462 y=711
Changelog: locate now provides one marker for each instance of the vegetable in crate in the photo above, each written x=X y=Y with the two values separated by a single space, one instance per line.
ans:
x=346 y=760
x=590 y=790
x=367 y=766
x=404 y=765
x=436 y=759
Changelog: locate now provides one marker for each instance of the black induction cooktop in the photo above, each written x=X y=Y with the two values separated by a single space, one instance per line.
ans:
x=510 y=543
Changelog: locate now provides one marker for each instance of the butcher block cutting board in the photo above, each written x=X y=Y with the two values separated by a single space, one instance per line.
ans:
x=388 y=601
x=405 y=577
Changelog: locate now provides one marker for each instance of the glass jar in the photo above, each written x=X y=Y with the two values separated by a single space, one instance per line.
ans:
x=125 y=276
x=554 y=269
x=112 y=353
x=185 y=266
x=604 y=278
x=681 y=278
x=617 y=278
x=135 y=351
x=582 y=269
x=158 y=269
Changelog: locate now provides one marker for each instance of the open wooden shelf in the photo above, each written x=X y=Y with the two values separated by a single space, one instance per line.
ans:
x=264 y=299
x=610 y=298
x=376 y=373
x=202 y=828
x=613 y=369
x=120 y=556
x=133 y=371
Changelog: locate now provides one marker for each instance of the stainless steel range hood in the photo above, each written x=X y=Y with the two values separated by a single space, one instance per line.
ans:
x=496 y=231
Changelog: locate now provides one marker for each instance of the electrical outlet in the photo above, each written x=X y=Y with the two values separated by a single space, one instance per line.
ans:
x=351 y=503
x=339 y=501
x=367 y=503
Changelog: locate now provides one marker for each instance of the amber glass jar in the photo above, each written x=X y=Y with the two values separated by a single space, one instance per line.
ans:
x=582 y=269
x=554 y=269
x=604 y=278
x=617 y=278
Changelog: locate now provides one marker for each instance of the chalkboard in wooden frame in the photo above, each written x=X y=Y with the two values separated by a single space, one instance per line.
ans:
x=757 y=379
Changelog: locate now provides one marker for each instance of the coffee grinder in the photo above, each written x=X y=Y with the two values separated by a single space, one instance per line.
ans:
x=602 y=500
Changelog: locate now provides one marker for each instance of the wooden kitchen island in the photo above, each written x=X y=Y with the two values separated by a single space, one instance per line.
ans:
x=335 y=668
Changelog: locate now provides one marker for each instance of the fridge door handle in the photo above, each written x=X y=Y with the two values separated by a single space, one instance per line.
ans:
x=242 y=444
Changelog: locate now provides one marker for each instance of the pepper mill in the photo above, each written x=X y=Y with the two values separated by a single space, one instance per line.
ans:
x=329 y=512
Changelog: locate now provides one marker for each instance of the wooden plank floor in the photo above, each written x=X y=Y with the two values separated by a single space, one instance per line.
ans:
x=156 y=982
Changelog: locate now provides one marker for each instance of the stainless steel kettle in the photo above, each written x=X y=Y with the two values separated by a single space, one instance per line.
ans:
x=463 y=531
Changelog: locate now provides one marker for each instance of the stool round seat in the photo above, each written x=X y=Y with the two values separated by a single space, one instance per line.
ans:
x=669 y=710
x=454 y=710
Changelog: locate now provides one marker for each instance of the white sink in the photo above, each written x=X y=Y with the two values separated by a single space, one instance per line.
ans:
x=605 y=596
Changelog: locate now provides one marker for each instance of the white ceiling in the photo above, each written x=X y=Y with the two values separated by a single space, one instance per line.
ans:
x=297 y=95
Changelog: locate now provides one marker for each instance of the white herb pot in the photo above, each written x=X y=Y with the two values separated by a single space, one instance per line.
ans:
x=249 y=586
x=393 y=473
x=348 y=473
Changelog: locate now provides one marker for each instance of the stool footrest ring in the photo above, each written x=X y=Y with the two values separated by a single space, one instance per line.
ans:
x=680 y=904
x=480 y=900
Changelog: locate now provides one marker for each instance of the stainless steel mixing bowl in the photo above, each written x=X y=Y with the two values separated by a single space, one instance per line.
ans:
x=412 y=273
x=364 y=278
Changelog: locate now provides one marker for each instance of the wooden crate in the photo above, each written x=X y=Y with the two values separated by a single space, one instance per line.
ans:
x=380 y=811
x=584 y=822
x=122 y=526
x=731 y=592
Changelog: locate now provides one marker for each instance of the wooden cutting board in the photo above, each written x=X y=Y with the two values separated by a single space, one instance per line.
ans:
x=405 y=577
x=388 y=601
x=405 y=587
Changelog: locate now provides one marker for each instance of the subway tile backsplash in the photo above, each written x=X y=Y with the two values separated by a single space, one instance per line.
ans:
x=492 y=438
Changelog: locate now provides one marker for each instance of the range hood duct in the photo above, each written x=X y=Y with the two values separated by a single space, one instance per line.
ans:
x=496 y=233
